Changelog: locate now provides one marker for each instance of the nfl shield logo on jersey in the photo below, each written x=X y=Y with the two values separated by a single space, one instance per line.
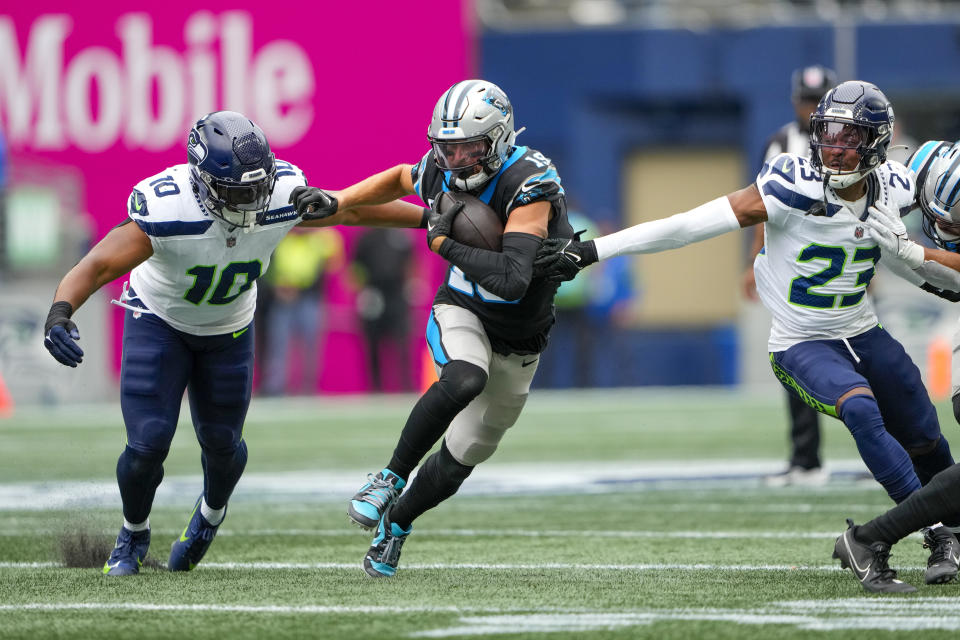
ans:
x=231 y=242
x=858 y=233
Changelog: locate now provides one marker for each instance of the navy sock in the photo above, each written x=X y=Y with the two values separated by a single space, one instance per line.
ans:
x=933 y=462
x=221 y=473
x=138 y=475
x=884 y=456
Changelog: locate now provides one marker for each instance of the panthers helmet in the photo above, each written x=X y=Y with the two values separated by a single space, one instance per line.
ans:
x=852 y=115
x=471 y=133
x=936 y=165
x=231 y=167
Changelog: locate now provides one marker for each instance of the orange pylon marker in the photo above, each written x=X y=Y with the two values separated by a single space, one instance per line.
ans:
x=939 y=353
x=428 y=374
x=6 y=400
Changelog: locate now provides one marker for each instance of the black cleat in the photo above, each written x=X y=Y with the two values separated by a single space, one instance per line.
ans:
x=944 y=561
x=869 y=563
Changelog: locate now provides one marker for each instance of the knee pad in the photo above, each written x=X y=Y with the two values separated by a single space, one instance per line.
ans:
x=861 y=412
x=462 y=381
x=923 y=449
x=138 y=464
x=473 y=444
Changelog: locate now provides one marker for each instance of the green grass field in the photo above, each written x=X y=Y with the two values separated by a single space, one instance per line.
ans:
x=616 y=515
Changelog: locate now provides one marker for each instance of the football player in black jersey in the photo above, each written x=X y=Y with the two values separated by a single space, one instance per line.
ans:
x=490 y=317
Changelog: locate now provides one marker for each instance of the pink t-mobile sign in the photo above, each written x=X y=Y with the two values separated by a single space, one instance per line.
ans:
x=341 y=89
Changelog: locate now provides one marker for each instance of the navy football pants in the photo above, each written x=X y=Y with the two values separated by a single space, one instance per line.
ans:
x=821 y=371
x=159 y=363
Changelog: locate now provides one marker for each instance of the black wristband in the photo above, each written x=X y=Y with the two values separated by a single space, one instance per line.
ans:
x=589 y=253
x=61 y=310
x=424 y=218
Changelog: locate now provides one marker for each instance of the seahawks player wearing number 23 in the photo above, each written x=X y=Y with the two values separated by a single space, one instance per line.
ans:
x=828 y=221
x=196 y=238
x=490 y=317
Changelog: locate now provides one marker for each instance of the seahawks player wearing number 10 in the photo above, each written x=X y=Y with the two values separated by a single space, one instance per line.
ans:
x=196 y=238
x=828 y=220
x=490 y=317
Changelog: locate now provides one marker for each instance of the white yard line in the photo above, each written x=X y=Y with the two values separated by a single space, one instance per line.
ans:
x=353 y=532
x=492 y=479
x=894 y=614
x=459 y=566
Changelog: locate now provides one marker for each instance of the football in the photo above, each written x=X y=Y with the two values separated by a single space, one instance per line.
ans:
x=477 y=225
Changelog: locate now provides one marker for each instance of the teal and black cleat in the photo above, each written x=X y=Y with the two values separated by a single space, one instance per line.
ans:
x=384 y=554
x=368 y=505
x=127 y=556
x=188 y=550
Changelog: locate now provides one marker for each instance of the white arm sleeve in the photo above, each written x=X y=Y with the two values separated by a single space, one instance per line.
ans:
x=903 y=270
x=706 y=221
x=939 y=276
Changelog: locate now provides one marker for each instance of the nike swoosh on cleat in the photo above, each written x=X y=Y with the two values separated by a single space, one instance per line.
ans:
x=237 y=334
x=861 y=573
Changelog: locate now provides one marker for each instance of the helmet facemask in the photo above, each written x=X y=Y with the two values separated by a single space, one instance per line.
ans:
x=831 y=133
x=238 y=203
x=471 y=133
x=232 y=168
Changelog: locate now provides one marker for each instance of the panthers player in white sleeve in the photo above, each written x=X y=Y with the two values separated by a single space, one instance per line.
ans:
x=197 y=237
x=826 y=344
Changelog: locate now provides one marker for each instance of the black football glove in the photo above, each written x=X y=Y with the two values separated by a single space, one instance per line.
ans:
x=60 y=335
x=439 y=224
x=313 y=203
x=561 y=259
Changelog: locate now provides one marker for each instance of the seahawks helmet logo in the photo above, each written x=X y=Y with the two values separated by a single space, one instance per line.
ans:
x=196 y=149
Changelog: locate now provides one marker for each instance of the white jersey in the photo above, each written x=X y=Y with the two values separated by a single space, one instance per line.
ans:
x=201 y=278
x=818 y=257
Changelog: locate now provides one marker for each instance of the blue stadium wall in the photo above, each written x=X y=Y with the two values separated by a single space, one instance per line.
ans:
x=588 y=97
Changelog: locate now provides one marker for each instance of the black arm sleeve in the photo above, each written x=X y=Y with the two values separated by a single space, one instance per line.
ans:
x=506 y=274
x=952 y=296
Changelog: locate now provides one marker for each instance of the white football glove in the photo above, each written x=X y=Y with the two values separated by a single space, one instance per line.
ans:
x=888 y=230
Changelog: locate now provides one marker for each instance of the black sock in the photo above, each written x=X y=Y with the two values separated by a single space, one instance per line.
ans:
x=936 y=502
x=438 y=479
x=459 y=383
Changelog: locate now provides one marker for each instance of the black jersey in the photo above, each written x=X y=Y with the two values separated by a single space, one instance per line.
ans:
x=513 y=326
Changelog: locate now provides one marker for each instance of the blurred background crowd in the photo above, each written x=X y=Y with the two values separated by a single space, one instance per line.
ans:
x=647 y=108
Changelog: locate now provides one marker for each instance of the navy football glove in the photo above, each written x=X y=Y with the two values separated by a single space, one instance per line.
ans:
x=61 y=334
x=561 y=259
x=439 y=224
x=313 y=203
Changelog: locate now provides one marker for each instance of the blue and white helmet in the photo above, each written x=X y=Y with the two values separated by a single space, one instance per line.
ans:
x=936 y=165
x=231 y=167
x=472 y=133
x=852 y=115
